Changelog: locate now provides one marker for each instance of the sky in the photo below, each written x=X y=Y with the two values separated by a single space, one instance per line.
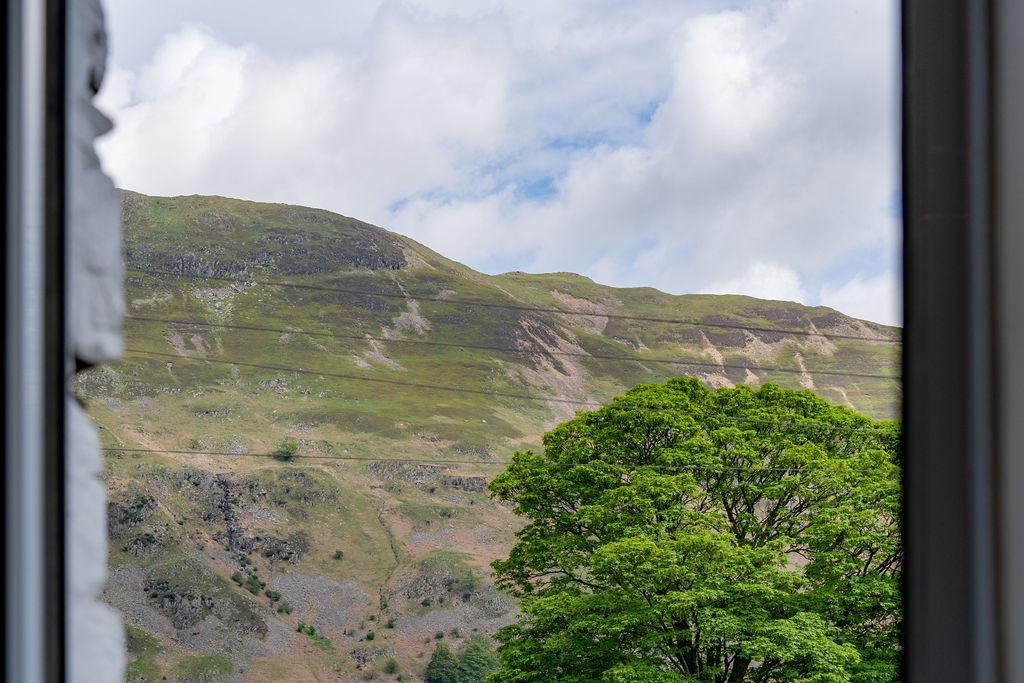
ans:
x=709 y=146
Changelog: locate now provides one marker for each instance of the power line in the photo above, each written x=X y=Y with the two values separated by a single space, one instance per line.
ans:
x=484 y=347
x=357 y=458
x=484 y=392
x=519 y=307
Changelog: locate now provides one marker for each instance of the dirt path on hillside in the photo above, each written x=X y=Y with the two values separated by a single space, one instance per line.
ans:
x=383 y=592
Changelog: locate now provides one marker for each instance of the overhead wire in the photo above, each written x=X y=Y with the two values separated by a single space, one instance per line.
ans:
x=512 y=395
x=522 y=307
x=591 y=404
x=795 y=423
x=556 y=464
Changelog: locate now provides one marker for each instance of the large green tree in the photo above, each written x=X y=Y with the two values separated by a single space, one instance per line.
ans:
x=688 y=534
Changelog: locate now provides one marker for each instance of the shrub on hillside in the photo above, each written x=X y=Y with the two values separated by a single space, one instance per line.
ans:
x=254 y=585
x=287 y=451
x=443 y=667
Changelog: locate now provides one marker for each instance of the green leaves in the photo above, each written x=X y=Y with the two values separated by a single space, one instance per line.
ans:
x=443 y=667
x=478 y=661
x=287 y=451
x=696 y=535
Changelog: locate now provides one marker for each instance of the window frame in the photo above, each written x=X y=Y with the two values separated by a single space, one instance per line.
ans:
x=961 y=325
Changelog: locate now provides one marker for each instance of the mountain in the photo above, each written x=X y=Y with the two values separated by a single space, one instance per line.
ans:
x=391 y=382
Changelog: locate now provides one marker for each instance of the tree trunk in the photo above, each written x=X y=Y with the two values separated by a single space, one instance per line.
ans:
x=739 y=669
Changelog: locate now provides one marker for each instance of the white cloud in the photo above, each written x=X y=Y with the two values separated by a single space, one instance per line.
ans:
x=170 y=117
x=875 y=298
x=765 y=280
x=759 y=154
x=682 y=146
x=350 y=133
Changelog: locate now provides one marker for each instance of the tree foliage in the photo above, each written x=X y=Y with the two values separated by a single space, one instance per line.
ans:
x=443 y=666
x=688 y=534
x=287 y=451
x=478 y=661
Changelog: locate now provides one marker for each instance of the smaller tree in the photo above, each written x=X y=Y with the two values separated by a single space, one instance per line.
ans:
x=254 y=585
x=478 y=661
x=443 y=667
x=287 y=451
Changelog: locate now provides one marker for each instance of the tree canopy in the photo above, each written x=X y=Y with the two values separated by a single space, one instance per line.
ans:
x=443 y=666
x=688 y=534
x=478 y=660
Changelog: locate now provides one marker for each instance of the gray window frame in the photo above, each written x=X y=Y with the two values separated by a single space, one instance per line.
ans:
x=33 y=340
x=963 y=122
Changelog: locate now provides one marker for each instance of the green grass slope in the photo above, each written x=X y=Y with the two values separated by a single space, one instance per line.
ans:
x=217 y=556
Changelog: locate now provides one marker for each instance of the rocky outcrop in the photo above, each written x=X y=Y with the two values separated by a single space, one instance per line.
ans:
x=127 y=514
x=143 y=544
x=366 y=654
x=468 y=484
x=439 y=579
x=290 y=549
x=290 y=488
x=183 y=607
x=187 y=592
x=413 y=473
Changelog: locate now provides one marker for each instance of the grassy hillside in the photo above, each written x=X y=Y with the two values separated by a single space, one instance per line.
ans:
x=218 y=553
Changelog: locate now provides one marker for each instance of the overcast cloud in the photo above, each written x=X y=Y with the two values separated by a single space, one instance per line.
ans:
x=745 y=147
